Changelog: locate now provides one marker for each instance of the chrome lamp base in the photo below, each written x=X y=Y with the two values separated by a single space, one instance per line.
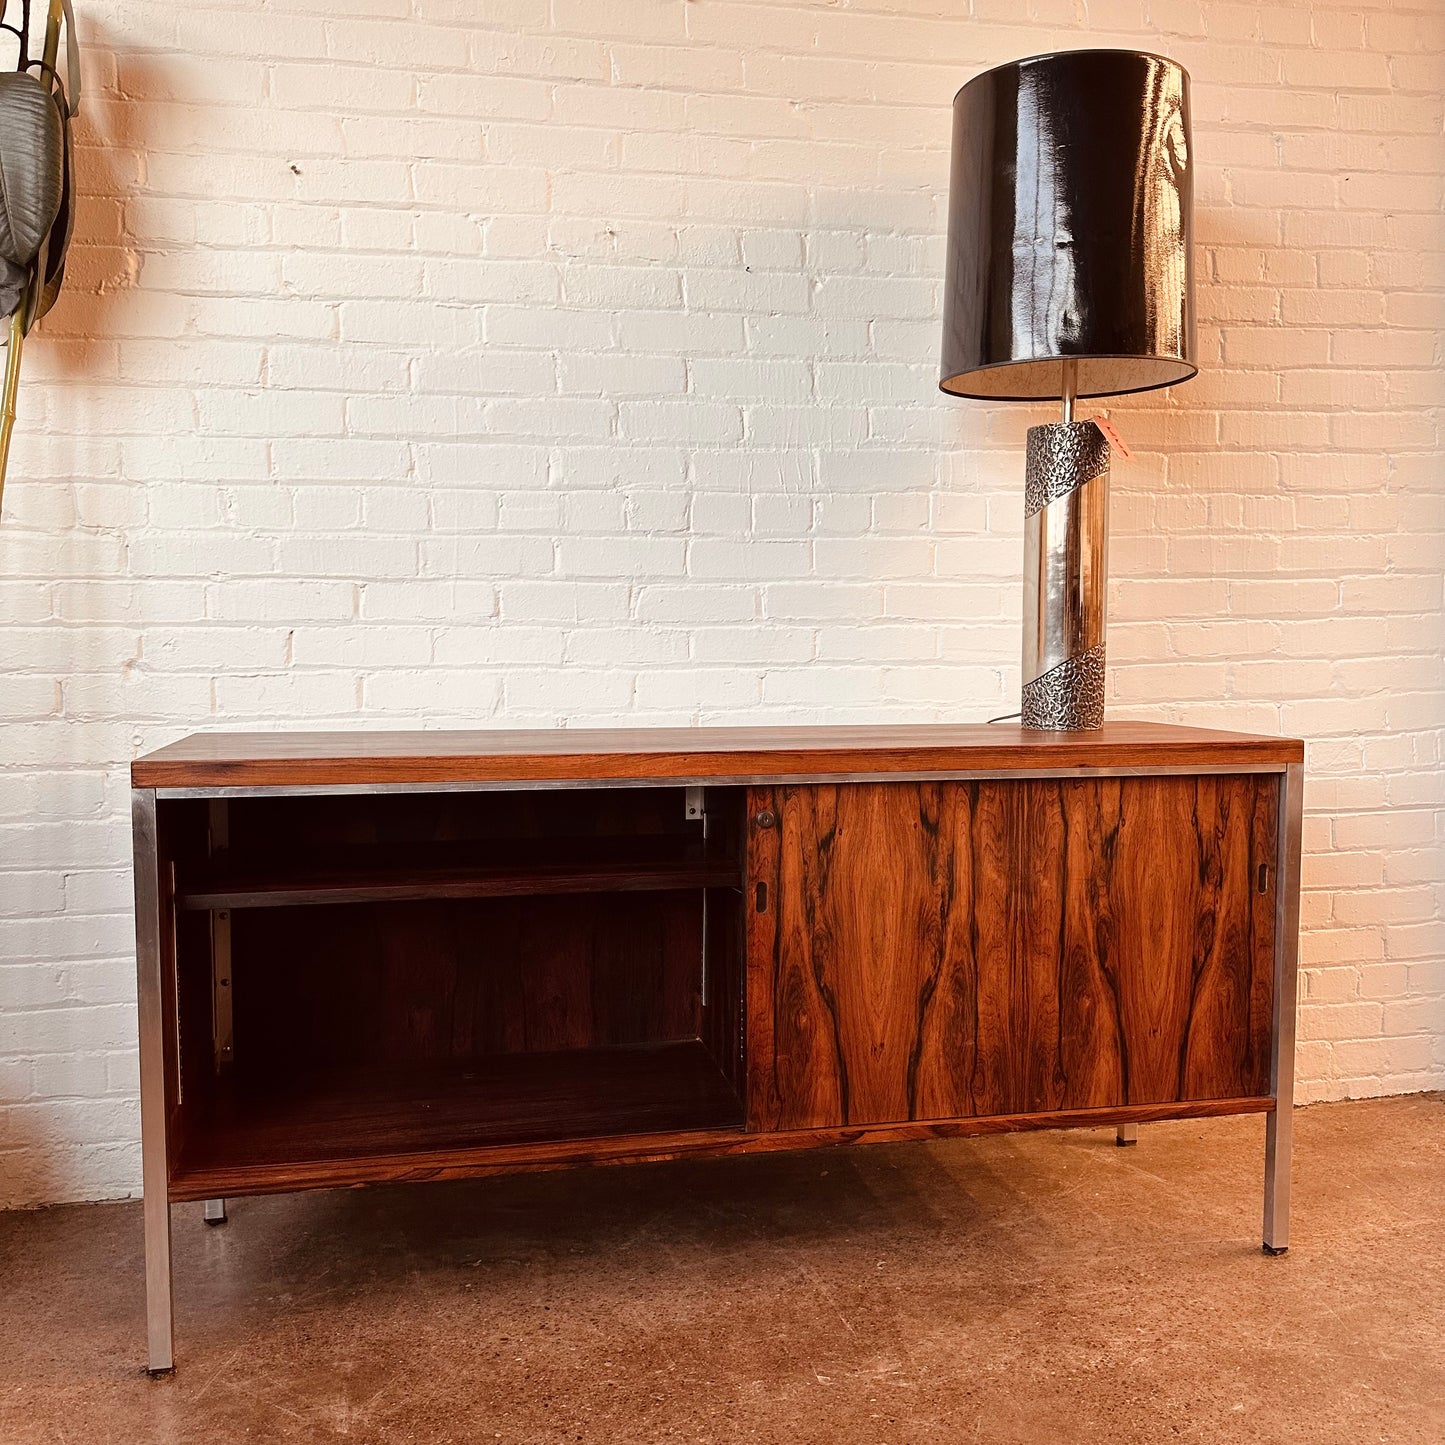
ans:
x=1066 y=544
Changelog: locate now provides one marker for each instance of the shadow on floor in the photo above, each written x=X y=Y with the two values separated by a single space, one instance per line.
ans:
x=1018 y=1289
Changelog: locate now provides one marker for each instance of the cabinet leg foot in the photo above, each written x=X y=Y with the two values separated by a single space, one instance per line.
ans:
x=159 y=1341
x=1126 y=1134
x=213 y=1211
x=1278 y=1130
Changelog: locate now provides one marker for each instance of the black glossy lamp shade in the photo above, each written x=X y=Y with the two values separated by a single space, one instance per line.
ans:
x=1070 y=220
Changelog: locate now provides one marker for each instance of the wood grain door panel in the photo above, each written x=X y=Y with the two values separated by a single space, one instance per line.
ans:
x=943 y=950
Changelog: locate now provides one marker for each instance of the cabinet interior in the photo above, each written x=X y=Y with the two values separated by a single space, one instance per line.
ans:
x=393 y=972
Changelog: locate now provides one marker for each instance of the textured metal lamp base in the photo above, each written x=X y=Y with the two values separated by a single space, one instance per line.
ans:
x=1066 y=523
x=1069 y=697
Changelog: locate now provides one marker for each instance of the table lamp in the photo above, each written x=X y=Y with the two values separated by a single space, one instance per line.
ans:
x=1069 y=275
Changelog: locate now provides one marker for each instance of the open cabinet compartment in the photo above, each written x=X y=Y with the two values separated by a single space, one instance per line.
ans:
x=381 y=975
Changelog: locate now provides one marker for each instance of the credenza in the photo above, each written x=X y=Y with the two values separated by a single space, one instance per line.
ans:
x=405 y=956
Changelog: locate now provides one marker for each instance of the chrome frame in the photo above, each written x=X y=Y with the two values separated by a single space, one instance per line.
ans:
x=1126 y=1134
x=730 y=780
x=155 y=1171
x=1279 y=1126
x=150 y=993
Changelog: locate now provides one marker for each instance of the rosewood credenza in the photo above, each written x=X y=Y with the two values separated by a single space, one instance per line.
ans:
x=405 y=956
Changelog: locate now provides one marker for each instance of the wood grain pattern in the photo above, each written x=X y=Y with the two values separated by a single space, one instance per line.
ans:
x=924 y=959
x=209 y=1180
x=312 y=851
x=370 y=881
x=388 y=985
x=942 y=950
x=723 y=1007
x=519 y=1099
x=278 y=759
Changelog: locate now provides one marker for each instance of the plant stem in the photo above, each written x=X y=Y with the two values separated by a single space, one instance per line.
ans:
x=7 y=398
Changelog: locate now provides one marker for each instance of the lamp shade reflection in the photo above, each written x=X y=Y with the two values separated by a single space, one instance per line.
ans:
x=1070 y=228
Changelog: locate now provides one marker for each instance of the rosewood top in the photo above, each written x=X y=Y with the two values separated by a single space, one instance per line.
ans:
x=319 y=760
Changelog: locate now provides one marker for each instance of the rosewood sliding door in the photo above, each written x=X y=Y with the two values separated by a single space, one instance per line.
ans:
x=944 y=950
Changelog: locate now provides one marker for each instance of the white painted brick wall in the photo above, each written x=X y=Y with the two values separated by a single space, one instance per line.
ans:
x=529 y=362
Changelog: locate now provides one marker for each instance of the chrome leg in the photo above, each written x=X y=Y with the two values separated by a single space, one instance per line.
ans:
x=1279 y=1129
x=213 y=1211
x=1278 y=1140
x=151 y=1013
x=1126 y=1134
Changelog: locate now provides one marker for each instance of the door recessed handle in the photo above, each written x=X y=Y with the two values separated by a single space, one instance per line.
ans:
x=761 y=897
x=1264 y=877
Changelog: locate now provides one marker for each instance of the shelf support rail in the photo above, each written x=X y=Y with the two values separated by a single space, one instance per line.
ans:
x=218 y=840
x=694 y=809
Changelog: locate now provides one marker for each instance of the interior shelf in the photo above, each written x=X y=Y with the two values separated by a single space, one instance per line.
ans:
x=378 y=875
x=505 y=1099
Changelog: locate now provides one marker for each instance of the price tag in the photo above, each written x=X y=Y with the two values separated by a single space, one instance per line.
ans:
x=1112 y=436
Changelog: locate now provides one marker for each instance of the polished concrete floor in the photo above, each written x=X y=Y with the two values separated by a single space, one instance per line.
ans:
x=1046 y=1287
